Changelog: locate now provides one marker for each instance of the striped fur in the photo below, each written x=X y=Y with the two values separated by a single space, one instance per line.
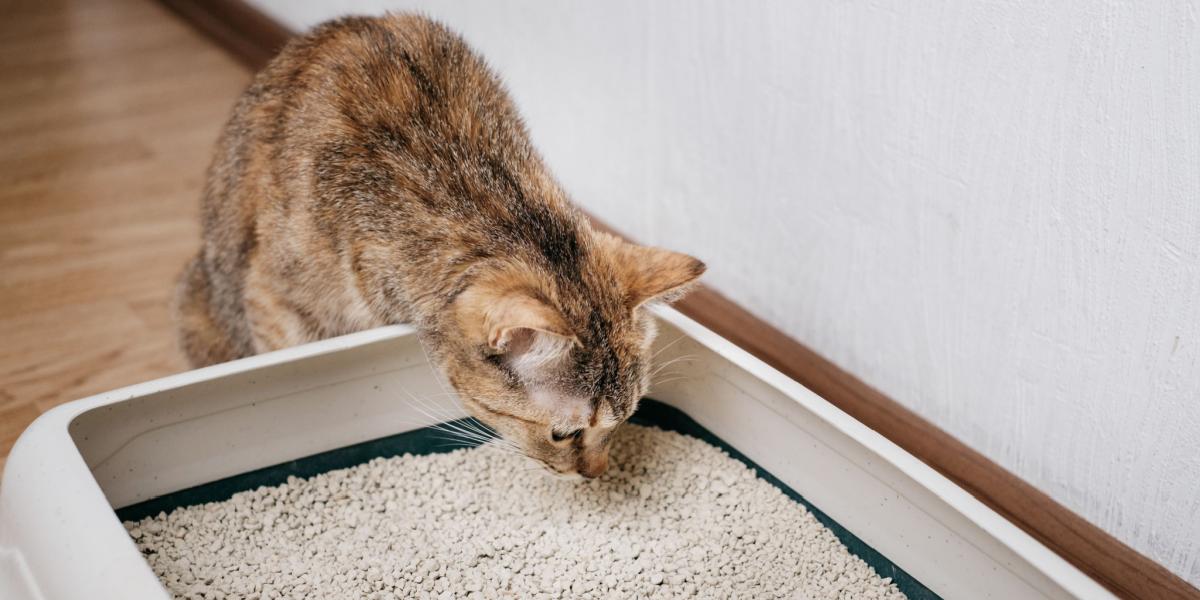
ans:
x=377 y=172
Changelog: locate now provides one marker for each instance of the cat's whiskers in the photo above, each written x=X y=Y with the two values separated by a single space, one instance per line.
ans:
x=660 y=367
x=660 y=375
x=668 y=380
x=668 y=345
x=437 y=420
x=435 y=413
x=465 y=431
x=450 y=424
x=485 y=445
x=474 y=440
x=447 y=392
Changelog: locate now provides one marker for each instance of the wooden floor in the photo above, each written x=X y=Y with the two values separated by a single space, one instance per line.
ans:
x=108 y=112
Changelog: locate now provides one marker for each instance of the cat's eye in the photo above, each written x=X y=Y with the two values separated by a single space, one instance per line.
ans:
x=558 y=437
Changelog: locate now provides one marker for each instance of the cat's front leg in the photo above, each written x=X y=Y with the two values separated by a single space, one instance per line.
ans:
x=275 y=321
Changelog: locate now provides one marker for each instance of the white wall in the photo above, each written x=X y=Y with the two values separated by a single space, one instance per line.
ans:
x=991 y=212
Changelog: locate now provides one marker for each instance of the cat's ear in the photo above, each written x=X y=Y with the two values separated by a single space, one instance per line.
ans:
x=531 y=336
x=513 y=321
x=517 y=321
x=654 y=274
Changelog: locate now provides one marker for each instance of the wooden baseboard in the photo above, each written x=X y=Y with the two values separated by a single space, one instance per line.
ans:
x=254 y=38
x=247 y=33
x=1104 y=558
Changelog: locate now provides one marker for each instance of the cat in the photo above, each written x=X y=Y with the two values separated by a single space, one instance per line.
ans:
x=377 y=172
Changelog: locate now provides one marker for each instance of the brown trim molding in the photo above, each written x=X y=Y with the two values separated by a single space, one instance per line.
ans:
x=254 y=37
x=247 y=33
x=1104 y=558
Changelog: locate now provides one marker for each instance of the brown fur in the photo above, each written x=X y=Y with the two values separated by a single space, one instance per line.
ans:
x=376 y=172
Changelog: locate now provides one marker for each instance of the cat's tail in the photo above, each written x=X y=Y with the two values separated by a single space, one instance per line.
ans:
x=202 y=338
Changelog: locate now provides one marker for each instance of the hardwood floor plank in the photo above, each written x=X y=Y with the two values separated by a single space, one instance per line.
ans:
x=108 y=114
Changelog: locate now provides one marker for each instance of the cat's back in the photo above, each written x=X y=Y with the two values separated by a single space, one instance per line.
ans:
x=388 y=108
x=362 y=173
x=362 y=79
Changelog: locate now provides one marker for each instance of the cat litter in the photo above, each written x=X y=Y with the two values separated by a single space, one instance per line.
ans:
x=673 y=517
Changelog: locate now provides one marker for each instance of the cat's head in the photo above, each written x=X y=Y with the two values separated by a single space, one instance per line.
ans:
x=556 y=361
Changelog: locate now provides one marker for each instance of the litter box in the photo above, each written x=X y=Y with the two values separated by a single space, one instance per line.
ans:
x=202 y=435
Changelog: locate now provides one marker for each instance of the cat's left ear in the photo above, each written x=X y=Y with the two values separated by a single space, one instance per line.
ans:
x=654 y=274
x=510 y=319
x=516 y=320
x=530 y=334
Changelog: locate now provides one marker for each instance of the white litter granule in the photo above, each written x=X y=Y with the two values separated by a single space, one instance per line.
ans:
x=673 y=517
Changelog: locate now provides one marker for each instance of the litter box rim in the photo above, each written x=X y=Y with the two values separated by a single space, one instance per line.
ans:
x=59 y=536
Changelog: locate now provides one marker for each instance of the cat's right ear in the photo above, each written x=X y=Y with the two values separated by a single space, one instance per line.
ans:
x=651 y=274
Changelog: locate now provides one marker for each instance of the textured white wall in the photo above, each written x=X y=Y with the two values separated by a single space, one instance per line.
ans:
x=990 y=212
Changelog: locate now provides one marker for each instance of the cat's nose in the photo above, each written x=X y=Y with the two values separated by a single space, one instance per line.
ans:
x=593 y=466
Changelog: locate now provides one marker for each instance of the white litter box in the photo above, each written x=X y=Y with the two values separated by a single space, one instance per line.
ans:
x=61 y=538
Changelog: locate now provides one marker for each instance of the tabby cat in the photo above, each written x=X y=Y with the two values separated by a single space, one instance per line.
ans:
x=377 y=172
